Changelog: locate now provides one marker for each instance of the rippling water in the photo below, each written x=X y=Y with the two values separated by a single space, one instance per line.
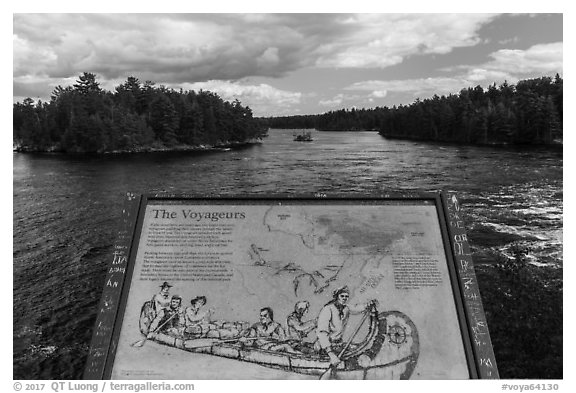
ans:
x=67 y=208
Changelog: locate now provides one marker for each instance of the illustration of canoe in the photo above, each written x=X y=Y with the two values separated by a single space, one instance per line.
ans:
x=389 y=350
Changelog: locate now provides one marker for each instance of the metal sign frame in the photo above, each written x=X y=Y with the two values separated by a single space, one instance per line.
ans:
x=471 y=319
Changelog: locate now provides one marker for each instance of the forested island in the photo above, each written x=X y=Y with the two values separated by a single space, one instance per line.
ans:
x=84 y=118
x=529 y=112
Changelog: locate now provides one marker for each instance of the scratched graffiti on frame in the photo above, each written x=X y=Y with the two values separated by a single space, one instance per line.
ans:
x=473 y=303
x=107 y=311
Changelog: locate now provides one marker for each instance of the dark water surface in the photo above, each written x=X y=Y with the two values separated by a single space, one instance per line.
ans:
x=67 y=209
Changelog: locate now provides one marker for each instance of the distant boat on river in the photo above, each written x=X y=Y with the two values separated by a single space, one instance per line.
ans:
x=303 y=136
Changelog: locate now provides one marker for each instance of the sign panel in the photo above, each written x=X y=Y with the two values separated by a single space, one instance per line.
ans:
x=292 y=288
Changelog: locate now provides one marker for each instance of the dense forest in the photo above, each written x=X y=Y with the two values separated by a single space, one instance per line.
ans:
x=529 y=112
x=135 y=117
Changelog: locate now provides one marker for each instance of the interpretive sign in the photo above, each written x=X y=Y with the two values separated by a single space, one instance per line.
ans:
x=291 y=288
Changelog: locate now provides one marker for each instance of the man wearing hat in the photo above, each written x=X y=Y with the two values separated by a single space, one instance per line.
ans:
x=332 y=322
x=161 y=300
x=197 y=319
x=169 y=320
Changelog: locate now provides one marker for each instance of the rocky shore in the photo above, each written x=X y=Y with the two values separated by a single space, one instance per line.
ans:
x=153 y=148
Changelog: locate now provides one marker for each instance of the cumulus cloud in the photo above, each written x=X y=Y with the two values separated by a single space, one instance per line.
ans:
x=504 y=65
x=379 y=93
x=416 y=87
x=515 y=64
x=350 y=100
x=263 y=98
x=173 y=48
x=168 y=48
x=332 y=102
x=220 y=52
x=180 y=48
x=542 y=58
x=381 y=40
x=268 y=58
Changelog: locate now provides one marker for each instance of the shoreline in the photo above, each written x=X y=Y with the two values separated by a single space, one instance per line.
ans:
x=553 y=144
x=156 y=148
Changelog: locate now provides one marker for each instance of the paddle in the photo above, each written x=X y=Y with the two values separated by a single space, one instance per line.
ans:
x=328 y=373
x=141 y=343
x=208 y=342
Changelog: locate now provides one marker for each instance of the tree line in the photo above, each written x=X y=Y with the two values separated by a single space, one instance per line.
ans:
x=529 y=112
x=135 y=117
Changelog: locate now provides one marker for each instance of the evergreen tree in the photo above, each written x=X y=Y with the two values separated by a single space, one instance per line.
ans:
x=163 y=119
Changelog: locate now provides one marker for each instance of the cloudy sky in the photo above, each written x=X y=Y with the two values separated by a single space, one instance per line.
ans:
x=282 y=64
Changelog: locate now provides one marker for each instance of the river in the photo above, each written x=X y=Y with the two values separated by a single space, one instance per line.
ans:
x=67 y=210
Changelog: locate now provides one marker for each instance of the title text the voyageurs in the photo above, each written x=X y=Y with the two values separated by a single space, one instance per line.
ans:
x=198 y=216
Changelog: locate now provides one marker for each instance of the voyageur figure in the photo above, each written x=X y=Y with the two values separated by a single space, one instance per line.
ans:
x=298 y=329
x=196 y=318
x=332 y=322
x=161 y=300
x=267 y=334
x=169 y=320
